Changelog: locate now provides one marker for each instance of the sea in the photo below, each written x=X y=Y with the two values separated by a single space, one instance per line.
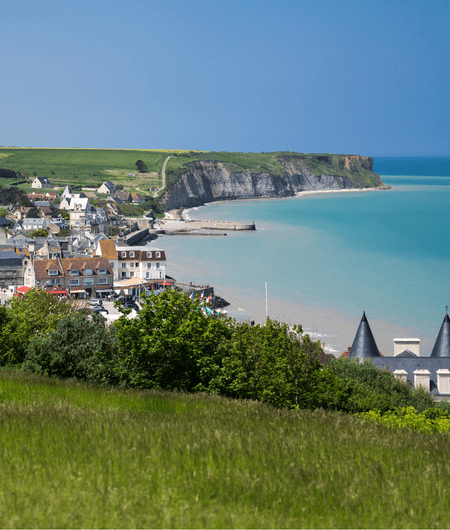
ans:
x=321 y=260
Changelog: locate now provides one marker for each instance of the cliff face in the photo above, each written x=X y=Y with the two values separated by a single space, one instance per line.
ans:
x=208 y=181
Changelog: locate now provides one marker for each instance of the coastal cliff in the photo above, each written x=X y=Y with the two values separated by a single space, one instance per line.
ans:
x=200 y=181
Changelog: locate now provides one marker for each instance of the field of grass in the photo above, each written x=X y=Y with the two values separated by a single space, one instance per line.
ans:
x=91 y=167
x=86 y=167
x=74 y=455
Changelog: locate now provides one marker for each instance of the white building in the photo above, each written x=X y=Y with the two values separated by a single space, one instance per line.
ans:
x=145 y=263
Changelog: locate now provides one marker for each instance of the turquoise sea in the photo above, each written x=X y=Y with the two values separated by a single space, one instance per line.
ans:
x=385 y=252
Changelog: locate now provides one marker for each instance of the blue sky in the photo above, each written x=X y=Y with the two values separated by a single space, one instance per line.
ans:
x=364 y=77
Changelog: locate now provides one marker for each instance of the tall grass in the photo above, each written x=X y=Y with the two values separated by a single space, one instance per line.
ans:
x=73 y=455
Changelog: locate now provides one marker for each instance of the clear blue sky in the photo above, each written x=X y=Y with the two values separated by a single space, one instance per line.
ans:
x=351 y=76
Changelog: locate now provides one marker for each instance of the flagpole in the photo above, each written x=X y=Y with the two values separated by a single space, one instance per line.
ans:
x=267 y=313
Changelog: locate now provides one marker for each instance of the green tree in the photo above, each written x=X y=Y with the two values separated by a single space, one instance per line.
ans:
x=26 y=318
x=40 y=232
x=80 y=347
x=172 y=344
x=3 y=212
x=141 y=167
x=33 y=213
x=278 y=365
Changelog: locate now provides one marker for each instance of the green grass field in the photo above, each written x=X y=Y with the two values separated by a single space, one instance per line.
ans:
x=91 y=167
x=74 y=455
x=85 y=167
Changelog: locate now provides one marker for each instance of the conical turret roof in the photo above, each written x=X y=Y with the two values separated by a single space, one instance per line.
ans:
x=364 y=345
x=442 y=345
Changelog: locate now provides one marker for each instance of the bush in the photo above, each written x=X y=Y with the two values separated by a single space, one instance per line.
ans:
x=375 y=389
x=80 y=347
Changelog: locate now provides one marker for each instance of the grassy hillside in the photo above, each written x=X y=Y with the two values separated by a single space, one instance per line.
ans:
x=74 y=456
x=85 y=167
x=90 y=167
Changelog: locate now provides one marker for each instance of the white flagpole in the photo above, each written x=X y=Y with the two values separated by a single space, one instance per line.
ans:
x=267 y=313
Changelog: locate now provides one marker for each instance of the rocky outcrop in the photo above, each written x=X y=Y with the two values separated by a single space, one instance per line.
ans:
x=208 y=181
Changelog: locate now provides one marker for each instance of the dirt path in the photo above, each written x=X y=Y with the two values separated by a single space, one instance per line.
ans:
x=163 y=177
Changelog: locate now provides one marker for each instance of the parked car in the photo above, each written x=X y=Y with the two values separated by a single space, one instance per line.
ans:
x=95 y=302
x=131 y=305
x=100 y=309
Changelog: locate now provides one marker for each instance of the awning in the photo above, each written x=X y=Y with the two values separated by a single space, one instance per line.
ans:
x=23 y=289
x=59 y=292
x=77 y=289
x=103 y=287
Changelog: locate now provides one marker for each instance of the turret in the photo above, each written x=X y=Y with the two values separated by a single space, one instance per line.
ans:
x=442 y=345
x=364 y=345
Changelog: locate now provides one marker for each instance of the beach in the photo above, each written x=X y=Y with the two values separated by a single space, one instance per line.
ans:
x=327 y=257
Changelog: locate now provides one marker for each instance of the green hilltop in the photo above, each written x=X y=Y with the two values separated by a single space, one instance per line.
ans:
x=90 y=167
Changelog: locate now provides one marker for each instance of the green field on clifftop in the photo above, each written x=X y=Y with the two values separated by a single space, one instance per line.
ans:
x=90 y=167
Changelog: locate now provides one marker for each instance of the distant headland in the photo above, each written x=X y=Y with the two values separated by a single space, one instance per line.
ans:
x=174 y=179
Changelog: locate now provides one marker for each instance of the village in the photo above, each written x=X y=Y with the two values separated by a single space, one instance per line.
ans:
x=84 y=252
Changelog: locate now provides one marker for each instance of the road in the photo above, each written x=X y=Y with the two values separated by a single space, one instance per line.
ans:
x=163 y=177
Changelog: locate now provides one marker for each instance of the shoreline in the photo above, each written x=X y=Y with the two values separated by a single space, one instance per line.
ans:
x=183 y=212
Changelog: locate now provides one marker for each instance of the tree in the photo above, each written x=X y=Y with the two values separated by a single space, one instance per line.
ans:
x=141 y=167
x=80 y=347
x=33 y=213
x=37 y=312
x=3 y=212
x=172 y=344
x=40 y=232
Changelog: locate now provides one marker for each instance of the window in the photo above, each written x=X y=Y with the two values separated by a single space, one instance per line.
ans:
x=124 y=265
x=74 y=272
x=74 y=282
x=131 y=254
x=137 y=264
x=88 y=272
x=90 y=281
x=124 y=254
x=149 y=254
x=102 y=271
x=131 y=274
x=102 y=281
x=157 y=265
x=158 y=254
x=132 y=265
x=147 y=275
x=112 y=265
x=53 y=272
x=149 y=265
x=55 y=281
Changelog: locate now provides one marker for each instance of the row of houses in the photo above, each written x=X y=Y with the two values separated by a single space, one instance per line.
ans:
x=107 y=187
x=107 y=270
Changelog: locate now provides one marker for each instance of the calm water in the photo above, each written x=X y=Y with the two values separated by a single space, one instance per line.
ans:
x=385 y=252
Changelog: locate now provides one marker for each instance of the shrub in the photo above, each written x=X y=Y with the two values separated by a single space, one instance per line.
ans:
x=80 y=347
x=375 y=389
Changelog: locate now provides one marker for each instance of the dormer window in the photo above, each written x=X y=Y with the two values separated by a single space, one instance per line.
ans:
x=88 y=272
x=131 y=254
x=74 y=272
x=158 y=254
x=102 y=271
x=53 y=272
x=149 y=254
x=124 y=254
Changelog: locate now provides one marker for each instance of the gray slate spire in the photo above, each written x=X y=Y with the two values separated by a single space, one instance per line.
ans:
x=364 y=345
x=442 y=345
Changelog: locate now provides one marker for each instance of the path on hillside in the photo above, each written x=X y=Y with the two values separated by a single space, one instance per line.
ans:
x=163 y=177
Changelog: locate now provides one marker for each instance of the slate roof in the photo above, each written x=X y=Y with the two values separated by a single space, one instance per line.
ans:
x=406 y=353
x=442 y=345
x=364 y=345
x=9 y=258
